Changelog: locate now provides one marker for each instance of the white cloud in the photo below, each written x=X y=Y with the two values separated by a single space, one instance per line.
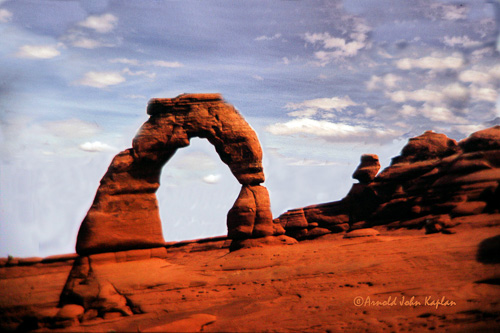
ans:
x=483 y=82
x=467 y=129
x=494 y=72
x=80 y=39
x=158 y=63
x=71 y=128
x=285 y=60
x=384 y=54
x=194 y=161
x=211 y=179
x=484 y=94
x=474 y=76
x=308 y=162
x=462 y=41
x=452 y=93
x=436 y=63
x=327 y=104
x=479 y=54
x=5 y=15
x=455 y=14
x=139 y=73
x=100 y=23
x=342 y=48
x=481 y=76
x=408 y=110
x=264 y=38
x=168 y=64
x=370 y=112
x=388 y=80
x=448 y=12
x=456 y=93
x=96 y=146
x=133 y=96
x=440 y=113
x=330 y=131
x=420 y=95
x=87 y=43
x=126 y=61
x=258 y=77
x=38 y=52
x=439 y=103
x=309 y=112
x=101 y=79
x=345 y=50
x=402 y=124
x=452 y=12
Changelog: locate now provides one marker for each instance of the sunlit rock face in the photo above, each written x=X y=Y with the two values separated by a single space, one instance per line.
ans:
x=125 y=214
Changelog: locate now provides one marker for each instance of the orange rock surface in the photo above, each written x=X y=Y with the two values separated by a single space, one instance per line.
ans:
x=397 y=281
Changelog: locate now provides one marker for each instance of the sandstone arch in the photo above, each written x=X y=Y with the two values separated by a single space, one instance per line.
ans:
x=125 y=214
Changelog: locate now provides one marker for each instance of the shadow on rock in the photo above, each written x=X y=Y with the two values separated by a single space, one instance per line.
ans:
x=489 y=251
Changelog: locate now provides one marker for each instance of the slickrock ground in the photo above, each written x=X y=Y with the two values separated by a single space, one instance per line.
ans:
x=311 y=286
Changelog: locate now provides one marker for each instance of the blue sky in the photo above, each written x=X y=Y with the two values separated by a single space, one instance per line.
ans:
x=321 y=82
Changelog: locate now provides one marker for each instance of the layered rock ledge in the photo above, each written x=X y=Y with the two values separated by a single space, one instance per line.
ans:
x=434 y=184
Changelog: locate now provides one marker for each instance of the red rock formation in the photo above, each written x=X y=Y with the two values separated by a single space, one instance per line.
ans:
x=192 y=284
x=125 y=213
x=427 y=146
x=367 y=169
x=432 y=185
x=487 y=139
x=250 y=214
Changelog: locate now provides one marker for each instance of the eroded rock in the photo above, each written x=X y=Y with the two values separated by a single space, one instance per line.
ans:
x=367 y=232
x=427 y=146
x=433 y=182
x=367 y=169
x=487 y=139
x=125 y=214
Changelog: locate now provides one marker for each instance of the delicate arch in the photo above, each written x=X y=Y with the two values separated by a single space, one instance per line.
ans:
x=125 y=214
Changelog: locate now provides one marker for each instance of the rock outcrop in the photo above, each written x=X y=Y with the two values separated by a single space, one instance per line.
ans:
x=125 y=215
x=434 y=185
x=427 y=146
x=367 y=169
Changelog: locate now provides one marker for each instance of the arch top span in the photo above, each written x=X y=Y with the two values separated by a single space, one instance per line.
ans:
x=180 y=103
x=174 y=121
x=125 y=213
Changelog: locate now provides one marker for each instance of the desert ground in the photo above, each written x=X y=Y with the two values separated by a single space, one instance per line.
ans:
x=398 y=281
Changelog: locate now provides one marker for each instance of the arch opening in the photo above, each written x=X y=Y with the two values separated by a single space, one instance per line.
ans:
x=196 y=191
x=125 y=213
